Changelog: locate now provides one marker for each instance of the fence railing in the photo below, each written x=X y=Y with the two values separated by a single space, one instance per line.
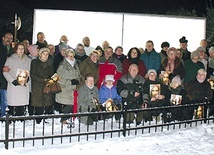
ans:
x=24 y=130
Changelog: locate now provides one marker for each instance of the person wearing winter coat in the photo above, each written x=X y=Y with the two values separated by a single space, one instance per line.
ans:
x=109 y=65
x=199 y=89
x=41 y=70
x=172 y=65
x=178 y=96
x=80 y=54
x=134 y=58
x=150 y=57
x=18 y=88
x=108 y=92
x=69 y=77
x=130 y=88
x=89 y=65
x=157 y=95
x=87 y=95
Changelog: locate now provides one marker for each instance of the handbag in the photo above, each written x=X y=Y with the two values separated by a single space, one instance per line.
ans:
x=52 y=88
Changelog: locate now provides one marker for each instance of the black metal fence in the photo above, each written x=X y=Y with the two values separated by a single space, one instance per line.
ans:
x=24 y=130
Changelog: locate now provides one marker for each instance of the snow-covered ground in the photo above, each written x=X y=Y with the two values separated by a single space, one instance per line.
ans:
x=192 y=140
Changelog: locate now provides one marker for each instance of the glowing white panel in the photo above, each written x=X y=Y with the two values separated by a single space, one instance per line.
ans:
x=131 y=31
x=78 y=24
x=140 y=28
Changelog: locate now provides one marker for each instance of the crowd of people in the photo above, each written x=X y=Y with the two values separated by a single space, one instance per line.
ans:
x=104 y=77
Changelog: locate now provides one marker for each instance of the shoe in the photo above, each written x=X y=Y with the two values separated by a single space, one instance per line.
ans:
x=138 y=122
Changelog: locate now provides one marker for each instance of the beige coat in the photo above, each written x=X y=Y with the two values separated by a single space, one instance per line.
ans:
x=66 y=73
x=17 y=95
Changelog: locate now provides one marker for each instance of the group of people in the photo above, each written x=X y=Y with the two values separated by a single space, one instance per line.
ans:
x=102 y=75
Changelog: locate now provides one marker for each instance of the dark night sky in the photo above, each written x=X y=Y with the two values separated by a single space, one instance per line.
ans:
x=133 y=6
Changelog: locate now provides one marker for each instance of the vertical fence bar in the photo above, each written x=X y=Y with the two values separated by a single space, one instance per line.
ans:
x=124 y=110
x=7 y=129
x=205 y=110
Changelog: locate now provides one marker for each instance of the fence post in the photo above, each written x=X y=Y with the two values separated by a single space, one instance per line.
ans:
x=7 y=123
x=205 y=110
x=124 y=118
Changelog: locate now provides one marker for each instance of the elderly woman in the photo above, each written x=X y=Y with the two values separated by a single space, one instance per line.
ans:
x=158 y=94
x=87 y=93
x=18 y=92
x=172 y=65
x=90 y=65
x=41 y=70
x=69 y=74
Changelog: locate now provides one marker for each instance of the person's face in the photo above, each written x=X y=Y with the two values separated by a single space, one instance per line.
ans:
x=108 y=53
x=165 y=48
x=63 y=52
x=94 y=57
x=105 y=45
x=201 y=77
x=40 y=37
x=152 y=76
x=109 y=83
x=80 y=49
x=89 y=81
x=86 y=42
x=183 y=46
x=178 y=53
x=52 y=49
x=212 y=54
x=195 y=59
x=201 y=54
x=20 y=50
x=26 y=43
x=119 y=51
x=70 y=56
x=133 y=53
x=204 y=43
x=174 y=85
x=64 y=39
x=149 y=46
x=7 y=39
x=133 y=70
x=44 y=56
x=171 y=55
x=165 y=78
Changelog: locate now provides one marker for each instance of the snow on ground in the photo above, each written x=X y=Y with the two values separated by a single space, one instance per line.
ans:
x=191 y=141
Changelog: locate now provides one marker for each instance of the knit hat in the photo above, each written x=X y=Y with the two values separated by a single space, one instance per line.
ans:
x=201 y=48
x=152 y=71
x=183 y=40
x=177 y=80
x=194 y=54
x=32 y=48
x=109 y=78
x=165 y=44
x=63 y=45
x=45 y=49
x=211 y=49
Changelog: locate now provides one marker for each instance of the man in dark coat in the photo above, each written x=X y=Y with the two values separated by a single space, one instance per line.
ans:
x=130 y=88
x=5 y=51
x=199 y=89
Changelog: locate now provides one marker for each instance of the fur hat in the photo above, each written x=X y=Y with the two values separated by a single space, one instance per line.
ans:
x=152 y=71
x=109 y=78
x=211 y=49
x=177 y=80
x=32 y=48
x=165 y=44
x=194 y=54
x=183 y=40
x=43 y=50
x=201 y=48
x=63 y=45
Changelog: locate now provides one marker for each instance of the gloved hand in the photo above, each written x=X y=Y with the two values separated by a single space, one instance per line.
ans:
x=15 y=83
x=74 y=82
